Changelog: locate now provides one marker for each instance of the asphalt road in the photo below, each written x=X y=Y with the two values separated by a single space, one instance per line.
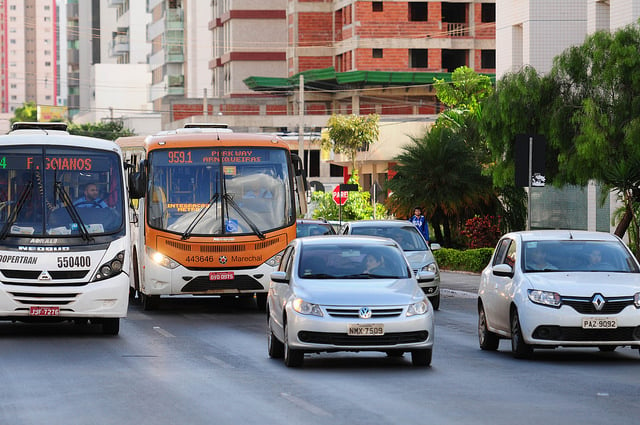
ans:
x=459 y=283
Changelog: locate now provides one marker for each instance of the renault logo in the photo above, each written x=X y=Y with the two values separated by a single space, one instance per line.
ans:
x=364 y=313
x=598 y=302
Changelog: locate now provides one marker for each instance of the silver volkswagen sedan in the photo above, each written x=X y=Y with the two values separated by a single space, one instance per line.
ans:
x=337 y=293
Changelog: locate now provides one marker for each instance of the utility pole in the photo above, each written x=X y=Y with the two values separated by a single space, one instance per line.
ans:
x=301 y=122
x=205 y=106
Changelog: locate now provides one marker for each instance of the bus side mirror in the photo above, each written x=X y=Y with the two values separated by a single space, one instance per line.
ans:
x=137 y=185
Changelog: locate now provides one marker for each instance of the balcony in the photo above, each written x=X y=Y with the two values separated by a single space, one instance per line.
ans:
x=151 y=4
x=72 y=10
x=175 y=19
x=457 y=29
x=164 y=88
x=114 y=3
x=73 y=56
x=120 y=45
x=73 y=79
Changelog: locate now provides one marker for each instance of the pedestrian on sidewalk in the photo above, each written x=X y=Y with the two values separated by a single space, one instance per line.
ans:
x=420 y=222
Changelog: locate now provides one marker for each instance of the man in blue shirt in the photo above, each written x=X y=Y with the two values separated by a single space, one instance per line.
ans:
x=90 y=198
x=420 y=222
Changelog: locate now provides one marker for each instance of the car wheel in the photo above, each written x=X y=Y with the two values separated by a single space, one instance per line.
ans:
x=275 y=347
x=111 y=326
x=519 y=348
x=488 y=340
x=149 y=302
x=607 y=348
x=421 y=357
x=292 y=357
x=435 y=301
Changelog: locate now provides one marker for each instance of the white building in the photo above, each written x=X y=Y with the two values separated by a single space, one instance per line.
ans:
x=533 y=32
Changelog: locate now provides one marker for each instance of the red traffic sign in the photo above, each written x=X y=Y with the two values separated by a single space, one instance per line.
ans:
x=340 y=196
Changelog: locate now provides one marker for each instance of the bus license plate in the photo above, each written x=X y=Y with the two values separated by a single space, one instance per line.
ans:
x=599 y=323
x=221 y=276
x=369 y=329
x=44 y=311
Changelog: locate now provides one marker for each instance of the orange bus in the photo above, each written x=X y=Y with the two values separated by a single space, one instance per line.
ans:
x=215 y=210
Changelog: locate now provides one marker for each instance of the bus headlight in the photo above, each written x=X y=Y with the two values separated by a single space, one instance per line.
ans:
x=161 y=259
x=275 y=260
x=110 y=268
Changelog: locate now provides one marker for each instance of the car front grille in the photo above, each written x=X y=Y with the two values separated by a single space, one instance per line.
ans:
x=343 y=340
x=576 y=334
x=354 y=312
x=584 y=305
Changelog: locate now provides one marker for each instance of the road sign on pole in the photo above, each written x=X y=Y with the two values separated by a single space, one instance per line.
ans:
x=340 y=196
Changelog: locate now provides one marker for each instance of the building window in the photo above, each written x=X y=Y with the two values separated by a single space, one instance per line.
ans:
x=376 y=6
x=47 y=63
x=376 y=53
x=488 y=12
x=335 y=170
x=418 y=11
x=418 y=58
x=488 y=59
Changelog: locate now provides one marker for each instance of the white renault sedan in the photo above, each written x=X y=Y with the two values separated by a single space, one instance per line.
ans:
x=555 y=288
x=336 y=293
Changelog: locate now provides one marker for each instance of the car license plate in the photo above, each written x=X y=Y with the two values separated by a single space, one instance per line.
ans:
x=44 y=311
x=599 y=323
x=221 y=276
x=369 y=329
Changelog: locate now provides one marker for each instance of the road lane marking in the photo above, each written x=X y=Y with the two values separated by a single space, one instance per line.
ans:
x=216 y=361
x=305 y=405
x=457 y=294
x=163 y=332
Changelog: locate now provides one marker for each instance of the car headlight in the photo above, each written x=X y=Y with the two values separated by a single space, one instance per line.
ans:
x=431 y=267
x=550 y=299
x=421 y=307
x=111 y=268
x=161 y=259
x=303 y=307
x=636 y=299
x=275 y=260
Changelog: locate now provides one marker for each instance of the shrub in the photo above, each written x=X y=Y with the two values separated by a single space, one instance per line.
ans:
x=470 y=260
x=482 y=232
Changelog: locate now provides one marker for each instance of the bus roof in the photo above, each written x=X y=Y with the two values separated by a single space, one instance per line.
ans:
x=55 y=138
x=211 y=138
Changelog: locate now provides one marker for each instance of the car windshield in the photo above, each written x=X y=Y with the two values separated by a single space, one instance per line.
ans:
x=577 y=255
x=352 y=261
x=313 y=229
x=407 y=236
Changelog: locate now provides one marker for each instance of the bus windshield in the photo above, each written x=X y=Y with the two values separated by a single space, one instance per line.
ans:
x=64 y=191
x=217 y=191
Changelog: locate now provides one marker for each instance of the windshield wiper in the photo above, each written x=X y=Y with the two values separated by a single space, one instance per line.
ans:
x=72 y=210
x=187 y=233
x=14 y=214
x=237 y=208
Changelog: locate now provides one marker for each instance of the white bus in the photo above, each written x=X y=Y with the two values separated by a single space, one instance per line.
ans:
x=64 y=234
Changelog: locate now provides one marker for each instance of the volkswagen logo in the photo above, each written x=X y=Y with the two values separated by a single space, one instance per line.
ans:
x=222 y=259
x=598 y=302
x=364 y=313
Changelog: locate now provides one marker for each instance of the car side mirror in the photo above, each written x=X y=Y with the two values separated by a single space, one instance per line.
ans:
x=425 y=276
x=279 y=277
x=504 y=270
x=435 y=246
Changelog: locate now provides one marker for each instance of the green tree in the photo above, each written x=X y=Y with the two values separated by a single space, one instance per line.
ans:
x=109 y=130
x=440 y=173
x=596 y=120
x=28 y=112
x=348 y=133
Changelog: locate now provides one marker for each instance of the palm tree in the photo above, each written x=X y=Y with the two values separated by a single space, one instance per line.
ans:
x=441 y=173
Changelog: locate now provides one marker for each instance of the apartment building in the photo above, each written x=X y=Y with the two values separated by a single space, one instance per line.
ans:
x=28 y=53
x=109 y=75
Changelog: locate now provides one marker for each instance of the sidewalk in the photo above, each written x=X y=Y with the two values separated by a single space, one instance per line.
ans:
x=459 y=283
